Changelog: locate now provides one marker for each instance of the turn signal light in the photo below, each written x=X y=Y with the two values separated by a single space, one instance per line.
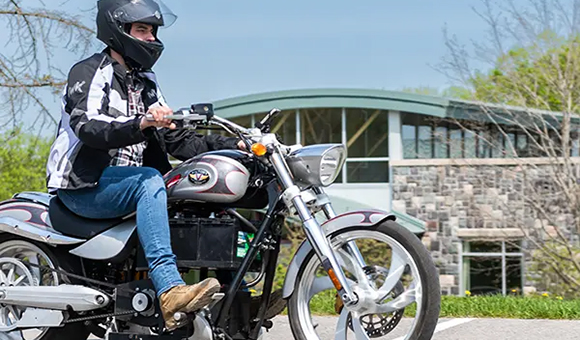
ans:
x=334 y=279
x=259 y=149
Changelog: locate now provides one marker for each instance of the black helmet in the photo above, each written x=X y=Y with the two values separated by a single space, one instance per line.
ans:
x=113 y=22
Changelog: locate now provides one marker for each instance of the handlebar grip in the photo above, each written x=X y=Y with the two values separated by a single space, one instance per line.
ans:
x=177 y=114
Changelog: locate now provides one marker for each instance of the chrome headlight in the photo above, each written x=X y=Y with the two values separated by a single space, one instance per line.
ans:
x=318 y=164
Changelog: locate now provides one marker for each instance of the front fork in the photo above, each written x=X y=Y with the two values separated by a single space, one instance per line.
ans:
x=315 y=234
x=351 y=246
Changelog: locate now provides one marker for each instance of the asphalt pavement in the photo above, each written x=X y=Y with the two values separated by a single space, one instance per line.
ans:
x=459 y=329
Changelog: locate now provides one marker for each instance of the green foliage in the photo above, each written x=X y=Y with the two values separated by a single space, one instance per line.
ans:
x=424 y=90
x=450 y=92
x=544 y=75
x=294 y=237
x=22 y=163
x=555 y=268
x=530 y=307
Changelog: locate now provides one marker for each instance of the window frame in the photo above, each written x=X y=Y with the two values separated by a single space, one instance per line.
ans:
x=503 y=254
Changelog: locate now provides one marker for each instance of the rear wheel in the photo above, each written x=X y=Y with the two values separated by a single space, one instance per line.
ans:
x=13 y=273
x=399 y=276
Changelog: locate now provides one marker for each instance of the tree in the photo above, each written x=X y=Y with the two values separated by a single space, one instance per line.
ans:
x=28 y=71
x=450 y=92
x=532 y=89
x=22 y=163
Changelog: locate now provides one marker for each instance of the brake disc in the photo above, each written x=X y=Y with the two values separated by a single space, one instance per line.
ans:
x=13 y=273
x=378 y=325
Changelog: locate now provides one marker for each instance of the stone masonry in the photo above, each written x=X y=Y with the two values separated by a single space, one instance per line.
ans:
x=482 y=198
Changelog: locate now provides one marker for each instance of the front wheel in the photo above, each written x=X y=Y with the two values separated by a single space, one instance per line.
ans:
x=399 y=301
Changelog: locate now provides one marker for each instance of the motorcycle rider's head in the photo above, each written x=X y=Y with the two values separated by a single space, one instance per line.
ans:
x=130 y=27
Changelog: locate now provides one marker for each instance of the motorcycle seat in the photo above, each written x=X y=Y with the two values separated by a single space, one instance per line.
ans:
x=70 y=224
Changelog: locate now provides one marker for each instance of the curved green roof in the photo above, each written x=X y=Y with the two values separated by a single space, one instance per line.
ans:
x=339 y=98
x=369 y=99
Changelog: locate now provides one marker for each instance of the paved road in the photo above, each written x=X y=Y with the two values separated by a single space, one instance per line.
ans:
x=468 y=329
x=462 y=329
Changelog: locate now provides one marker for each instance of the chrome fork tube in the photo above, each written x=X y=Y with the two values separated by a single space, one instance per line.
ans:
x=313 y=231
x=351 y=246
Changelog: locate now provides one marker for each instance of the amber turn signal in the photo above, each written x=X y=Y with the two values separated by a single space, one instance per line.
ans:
x=334 y=279
x=259 y=149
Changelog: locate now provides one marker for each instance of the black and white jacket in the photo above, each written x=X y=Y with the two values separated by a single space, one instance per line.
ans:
x=95 y=123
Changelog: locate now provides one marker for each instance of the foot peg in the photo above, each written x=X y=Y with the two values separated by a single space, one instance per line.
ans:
x=181 y=316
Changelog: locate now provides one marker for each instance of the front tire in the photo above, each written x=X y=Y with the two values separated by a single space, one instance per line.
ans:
x=405 y=245
x=20 y=249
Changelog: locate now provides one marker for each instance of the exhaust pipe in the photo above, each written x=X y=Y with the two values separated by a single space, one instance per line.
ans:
x=78 y=298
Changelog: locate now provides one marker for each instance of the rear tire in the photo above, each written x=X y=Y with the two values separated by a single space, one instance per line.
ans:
x=431 y=293
x=10 y=244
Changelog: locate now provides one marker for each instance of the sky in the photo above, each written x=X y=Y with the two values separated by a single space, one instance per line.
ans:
x=220 y=49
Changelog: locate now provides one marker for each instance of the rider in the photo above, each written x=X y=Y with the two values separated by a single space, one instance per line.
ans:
x=107 y=159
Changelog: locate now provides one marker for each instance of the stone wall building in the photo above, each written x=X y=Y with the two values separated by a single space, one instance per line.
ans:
x=478 y=206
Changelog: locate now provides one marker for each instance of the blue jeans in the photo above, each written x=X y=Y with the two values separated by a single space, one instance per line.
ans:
x=124 y=190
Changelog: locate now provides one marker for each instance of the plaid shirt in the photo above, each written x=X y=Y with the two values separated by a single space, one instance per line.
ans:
x=132 y=155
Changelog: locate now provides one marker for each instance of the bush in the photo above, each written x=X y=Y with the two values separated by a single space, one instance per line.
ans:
x=22 y=163
x=555 y=269
x=543 y=306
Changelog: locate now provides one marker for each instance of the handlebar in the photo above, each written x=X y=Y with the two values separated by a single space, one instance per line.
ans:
x=197 y=113
x=264 y=124
x=204 y=114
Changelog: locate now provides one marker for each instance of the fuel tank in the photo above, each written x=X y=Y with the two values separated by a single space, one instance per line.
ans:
x=213 y=177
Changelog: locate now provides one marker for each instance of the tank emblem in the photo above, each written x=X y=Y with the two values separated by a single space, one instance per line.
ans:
x=199 y=176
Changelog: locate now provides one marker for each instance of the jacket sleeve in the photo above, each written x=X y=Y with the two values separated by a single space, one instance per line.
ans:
x=91 y=124
x=184 y=144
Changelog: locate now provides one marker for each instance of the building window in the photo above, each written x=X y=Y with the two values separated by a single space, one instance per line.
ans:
x=367 y=133
x=245 y=121
x=429 y=137
x=409 y=137
x=492 y=267
x=456 y=140
x=424 y=142
x=367 y=172
x=417 y=135
x=441 y=141
x=470 y=144
x=364 y=131
x=366 y=137
x=285 y=126
x=320 y=126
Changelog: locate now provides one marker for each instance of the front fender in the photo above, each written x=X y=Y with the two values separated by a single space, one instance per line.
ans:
x=363 y=218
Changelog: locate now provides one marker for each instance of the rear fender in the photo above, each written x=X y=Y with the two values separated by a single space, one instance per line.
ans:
x=28 y=218
x=363 y=218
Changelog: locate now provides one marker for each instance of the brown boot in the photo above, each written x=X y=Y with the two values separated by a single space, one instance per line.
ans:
x=186 y=299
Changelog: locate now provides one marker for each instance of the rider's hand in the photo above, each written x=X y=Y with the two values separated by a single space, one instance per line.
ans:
x=158 y=113
x=242 y=145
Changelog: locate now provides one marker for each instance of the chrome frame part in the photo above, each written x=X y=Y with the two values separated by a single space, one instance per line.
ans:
x=313 y=230
x=79 y=298
x=330 y=214
x=36 y=317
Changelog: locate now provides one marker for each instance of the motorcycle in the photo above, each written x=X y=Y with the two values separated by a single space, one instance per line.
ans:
x=63 y=276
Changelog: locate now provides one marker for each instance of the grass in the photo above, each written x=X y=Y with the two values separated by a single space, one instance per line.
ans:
x=531 y=307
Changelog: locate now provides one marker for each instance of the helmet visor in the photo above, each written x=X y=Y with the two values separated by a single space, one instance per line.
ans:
x=153 y=12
